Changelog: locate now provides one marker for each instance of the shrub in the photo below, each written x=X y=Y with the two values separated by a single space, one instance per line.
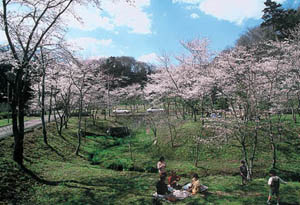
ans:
x=118 y=164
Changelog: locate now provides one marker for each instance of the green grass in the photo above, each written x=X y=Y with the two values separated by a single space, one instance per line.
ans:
x=5 y=122
x=70 y=179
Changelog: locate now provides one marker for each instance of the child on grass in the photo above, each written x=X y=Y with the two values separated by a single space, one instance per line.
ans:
x=274 y=183
x=243 y=172
x=173 y=180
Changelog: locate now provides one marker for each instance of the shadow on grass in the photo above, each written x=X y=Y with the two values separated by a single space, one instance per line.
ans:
x=56 y=152
x=102 y=190
x=43 y=181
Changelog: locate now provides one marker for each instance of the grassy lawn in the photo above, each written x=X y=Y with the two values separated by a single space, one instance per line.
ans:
x=5 y=122
x=92 y=178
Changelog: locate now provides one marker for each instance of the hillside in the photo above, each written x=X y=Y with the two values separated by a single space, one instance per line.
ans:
x=102 y=173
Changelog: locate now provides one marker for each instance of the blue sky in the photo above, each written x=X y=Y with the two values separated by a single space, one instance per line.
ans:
x=152 y=27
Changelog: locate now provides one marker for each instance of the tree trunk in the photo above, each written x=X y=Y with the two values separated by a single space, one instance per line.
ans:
x=173 y=133
x=105 y=114
x=273 y=144
x=246 y=159
x=154 y=130
x=254 y=148
x=183 y=111
x=79 y=132
x=50 y=104
x=18 y=118
x=294 y=115
x=8 y=106
x=197 y=153
x=176 y=107
x=202 y=114
x=18 y=131
x=195 y=114
x=130 y=150
x=274 y=155
x=43 y=107
x=94 y=116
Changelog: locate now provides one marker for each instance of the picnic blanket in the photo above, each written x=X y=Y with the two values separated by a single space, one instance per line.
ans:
x=178 y=194
x=181 y=194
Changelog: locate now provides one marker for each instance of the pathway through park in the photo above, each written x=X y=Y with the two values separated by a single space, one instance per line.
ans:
x=7 y=131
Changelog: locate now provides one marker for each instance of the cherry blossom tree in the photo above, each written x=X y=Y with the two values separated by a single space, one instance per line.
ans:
x=292 y=85
x=46 y=58
x=62 y=93
x=191 y=80
x=26 y=24
x=83 y=76
x=251 y=79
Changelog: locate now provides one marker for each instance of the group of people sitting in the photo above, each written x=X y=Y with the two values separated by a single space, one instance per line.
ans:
x=173 y=190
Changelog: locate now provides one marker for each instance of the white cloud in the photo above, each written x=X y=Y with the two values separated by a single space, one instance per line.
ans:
x=235 y=11
x=105 y=42
x=90 y=18
x=194 y=16
x=87 y=42
x=187 y=1
x=113 y=14
x=132 y=16
x=89 y=46
x=149 y=58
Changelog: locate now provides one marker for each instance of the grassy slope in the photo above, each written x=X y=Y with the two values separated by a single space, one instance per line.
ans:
x=69 y=179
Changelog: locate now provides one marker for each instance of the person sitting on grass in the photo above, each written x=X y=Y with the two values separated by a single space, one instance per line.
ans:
x=162 y=189
x=274 y=183
x=195 y=187
x=173 y=180
x=161 y=186
x=243 y=172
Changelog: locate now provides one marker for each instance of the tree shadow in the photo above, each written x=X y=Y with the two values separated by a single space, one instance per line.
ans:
x=43 y=181
x=56 y=152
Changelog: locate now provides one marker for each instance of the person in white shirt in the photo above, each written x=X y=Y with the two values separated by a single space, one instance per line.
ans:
x=161 y=166
x=274 y=183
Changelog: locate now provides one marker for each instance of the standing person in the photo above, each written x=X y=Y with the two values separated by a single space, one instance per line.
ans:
x=161 y=166
x=274 y=183
x=243 y=172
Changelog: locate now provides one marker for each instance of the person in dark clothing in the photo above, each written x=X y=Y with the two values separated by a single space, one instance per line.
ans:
x=173 y=180
x=243 y=172
x=161 y=186
x=162 y=189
